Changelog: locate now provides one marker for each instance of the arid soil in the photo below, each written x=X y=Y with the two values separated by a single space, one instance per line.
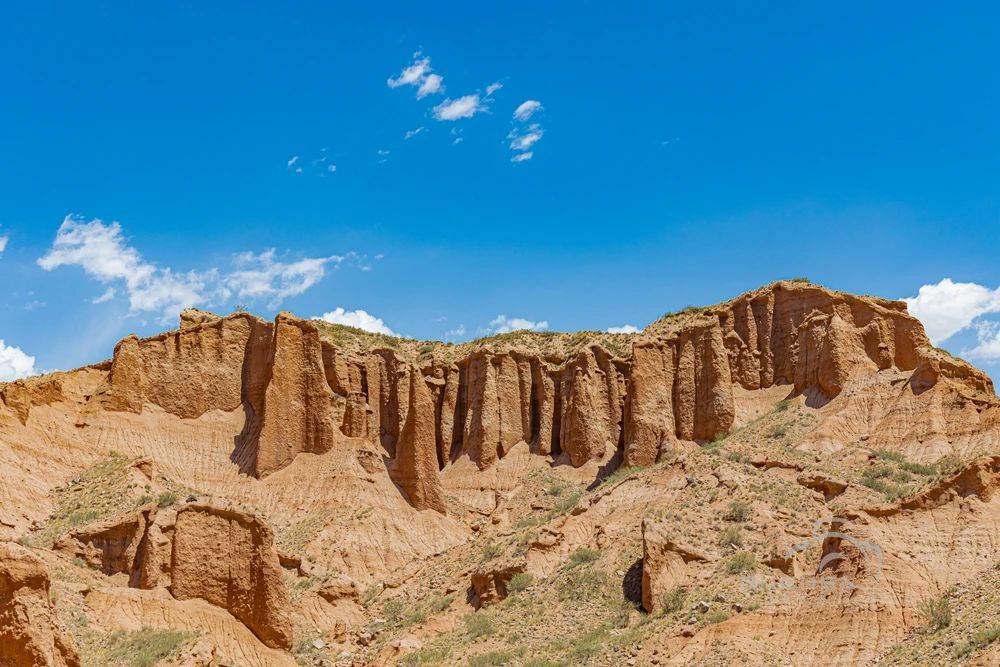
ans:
x=792 y=477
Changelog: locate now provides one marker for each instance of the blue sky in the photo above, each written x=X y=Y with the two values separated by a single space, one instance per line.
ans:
x=679 y=154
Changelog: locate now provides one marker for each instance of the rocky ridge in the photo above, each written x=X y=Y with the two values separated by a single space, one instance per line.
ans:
x=371 y=458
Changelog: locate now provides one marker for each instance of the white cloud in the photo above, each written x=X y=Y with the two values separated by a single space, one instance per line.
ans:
x=466 y=106
x=331 y=168
x=14 y=363
x=420 y=74
x=261 y=276
x=527 y=109
x=522 y=157
x=988 y=338
x=292 y=161
x=383 y=151
x=412 y=133
x=624 y=329
x=524 y=141
x=948 y=307
x=504 y=324
x=412 y=75
x=456 y=332
x=358 y=319
x=3 y=243
x=431 y=85
x=102 y=252
x=107 y=296
x=493 y=87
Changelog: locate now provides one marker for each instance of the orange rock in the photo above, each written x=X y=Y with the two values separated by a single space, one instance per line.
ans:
x=30 y=633
x=298 y=414
x=228 y=559
x=666 y=564
x=415 y=467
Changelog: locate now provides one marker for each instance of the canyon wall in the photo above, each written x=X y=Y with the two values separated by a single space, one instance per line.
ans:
x=303 y=393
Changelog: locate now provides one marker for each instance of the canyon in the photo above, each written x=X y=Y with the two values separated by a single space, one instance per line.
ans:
x=789 y=477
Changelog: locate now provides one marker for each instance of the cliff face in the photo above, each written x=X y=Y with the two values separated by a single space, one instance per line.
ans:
x=30 y=632
x=303 y=393
x=218 y=554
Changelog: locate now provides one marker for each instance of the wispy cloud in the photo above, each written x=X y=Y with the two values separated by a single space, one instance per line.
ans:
x=457 y=332
x=419 y=74
x=14 y=363
x=466 y=106
x=526 y=110
x=3 y=243
x=358 y=319
x=412 y=133
x=493 y=87
x=262 y=276
x=292 y=161
x=623 y=329
x=107 y=296
x=523 y=136
x=103 y=253
x=524 y=140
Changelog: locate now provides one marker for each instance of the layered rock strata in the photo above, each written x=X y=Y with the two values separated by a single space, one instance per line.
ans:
x=304 y=394
x=218 y=554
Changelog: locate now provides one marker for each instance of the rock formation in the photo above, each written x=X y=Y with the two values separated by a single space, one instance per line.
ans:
x=218 y=554
x=30 y=633
x=416 y=464
x=666 y=564
x=795 y=401
x=228 y=558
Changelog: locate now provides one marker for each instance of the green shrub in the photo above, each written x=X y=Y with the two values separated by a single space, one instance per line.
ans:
x=583 y=556
x=519 y=582
x=166 y=499
x=742 y=561
x=918 y=468
x=730 y=535
x=582 y=584
x=874 y=479
x=566 y=503
x=889 y=455
x=588 y=645
x=783 y=405
x=777 y=431
x=948 y=464
x=978 y=641
x=739 y=511
x=673 y=600
x=713 y=617
x=621 y=473
x=142 y=648
x=491 y=551
x=936 y=613
x=493 y=659
x=477 y=625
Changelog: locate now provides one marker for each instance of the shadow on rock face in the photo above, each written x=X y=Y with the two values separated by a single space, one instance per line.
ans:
x=632 y=583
